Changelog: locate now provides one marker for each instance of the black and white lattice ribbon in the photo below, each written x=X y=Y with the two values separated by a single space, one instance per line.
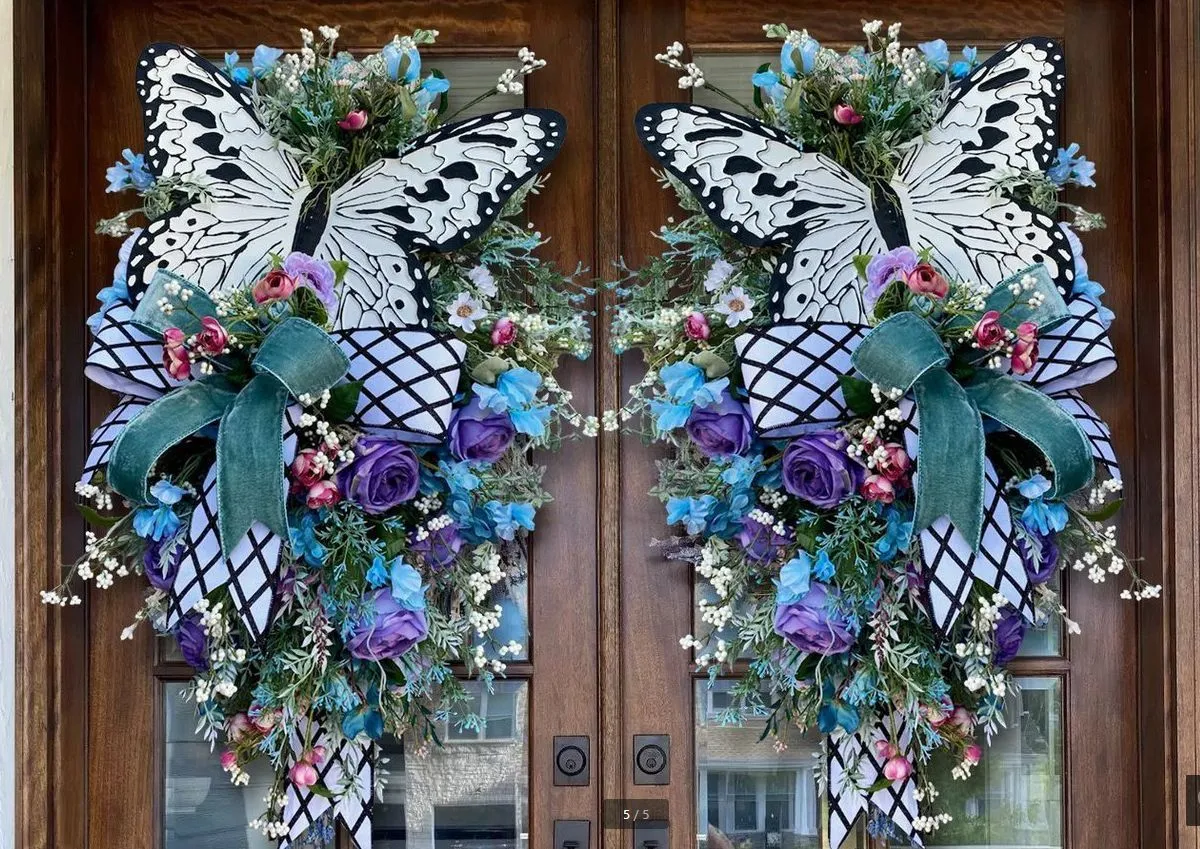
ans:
x=853 y=767
x=409 y=378
x=791 y=374
x=348 y=772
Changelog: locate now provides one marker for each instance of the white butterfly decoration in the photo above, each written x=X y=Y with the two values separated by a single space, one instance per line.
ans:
x=757 y=184
x=445 y=189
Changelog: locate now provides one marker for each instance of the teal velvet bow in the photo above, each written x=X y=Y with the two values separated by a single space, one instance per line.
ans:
x=296 y=358
x=904 y=352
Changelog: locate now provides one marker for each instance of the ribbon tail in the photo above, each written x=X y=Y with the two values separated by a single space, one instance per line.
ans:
x=164 y=423
x=950 y=460
x=853 y=768
x=106 y=434
x=1042 y=421
x=1094 y=428
x=349 y=769
x=251 y=486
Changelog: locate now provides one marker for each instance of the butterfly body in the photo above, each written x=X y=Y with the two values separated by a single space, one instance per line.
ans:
x=438 y=194
x=757 y=183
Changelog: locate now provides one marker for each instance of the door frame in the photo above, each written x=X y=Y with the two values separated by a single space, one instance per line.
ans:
x=51 y=745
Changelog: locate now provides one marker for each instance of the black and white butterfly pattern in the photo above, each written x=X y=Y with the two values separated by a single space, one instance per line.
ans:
x=758 y=185
x=445 y=189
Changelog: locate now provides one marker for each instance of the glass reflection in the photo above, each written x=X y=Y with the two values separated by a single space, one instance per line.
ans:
x=752 y=794
x=472 y=793
x=1015 y=796
x=201 y=809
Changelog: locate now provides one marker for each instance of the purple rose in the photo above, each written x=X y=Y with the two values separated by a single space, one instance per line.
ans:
x=161 y=575
x=1040 y=564
x=760 y=541
x=1010 y=631
x=439 y=547
x=313 y=274
x=193 y=642
x=388 y=630
x=480 y=435
x=721 y=429
x=812 y=624
x=817 y=469
x=885 y=268
x=384 y=474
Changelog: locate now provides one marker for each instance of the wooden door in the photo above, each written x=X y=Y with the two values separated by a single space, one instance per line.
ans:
x=1118 y=706
x=1076 y=734
x=158 y=786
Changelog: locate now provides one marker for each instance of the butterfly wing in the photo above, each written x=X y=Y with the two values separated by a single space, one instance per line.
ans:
x=201 y=126
x=1001 y=117
x=755 y=184
x=445 y=190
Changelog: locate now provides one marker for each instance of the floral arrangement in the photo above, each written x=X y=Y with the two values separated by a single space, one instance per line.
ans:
x=371 y=509
x=864 y=449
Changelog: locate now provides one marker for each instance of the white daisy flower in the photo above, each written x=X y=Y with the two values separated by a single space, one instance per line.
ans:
x=482 y=279
x=736 y=306
x=464 y=312
x=717 y=275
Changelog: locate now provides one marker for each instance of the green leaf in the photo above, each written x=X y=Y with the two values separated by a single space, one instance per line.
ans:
x=340 y=267
x=491 y=368
x=92 y=517
x=321 y=790
x=881 y=784
x=792 y=102
x=305 y=304
x=1104 y=512
x=343 y=401
x=714 y=365
x=857 y=393
x=860 y=265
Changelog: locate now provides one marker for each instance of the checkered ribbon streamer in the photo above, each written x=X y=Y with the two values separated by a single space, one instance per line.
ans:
x=853 y=767
x=348 y=772
x=791 y=374
x=409 y=378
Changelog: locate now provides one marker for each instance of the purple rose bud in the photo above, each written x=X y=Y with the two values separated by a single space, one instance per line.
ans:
x=886 y=268
x=1039 y=566
x=760 y=541
x=1010 y=631
x=480 y=435
x=385 y=473
x=387 y=630
x=161 y=575
x=313 y=274
x=439 y=548
x=812 y=623
x=817 y=469
x=193 y=642
x=722 y=429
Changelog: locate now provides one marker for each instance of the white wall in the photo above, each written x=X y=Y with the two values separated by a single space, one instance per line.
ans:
x=7 y=508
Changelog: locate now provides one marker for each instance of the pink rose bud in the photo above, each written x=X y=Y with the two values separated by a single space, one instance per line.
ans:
x=924 y=280
x=304 y=468
x=1025 y=349
x=844 y=114
x=897 y=768
x=213 y=337
x=695 y=326
x=961 y=717
x=302 y=774
x=973 y=754
x=275 y=286
x=935 y=715
x=354 y=121
x=896 y=464
x=228 y=759
x=504 y=331
x=884 y=749
x=238 y=727
x=175 y=354
x=315 y=755
x=265 y=720
x=322 y=494
x=878 y=488
x=989 y=332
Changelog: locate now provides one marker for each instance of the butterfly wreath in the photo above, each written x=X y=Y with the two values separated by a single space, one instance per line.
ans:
x=442 y=191
x=759 y=186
